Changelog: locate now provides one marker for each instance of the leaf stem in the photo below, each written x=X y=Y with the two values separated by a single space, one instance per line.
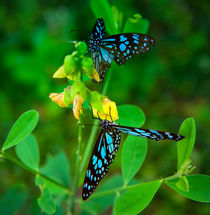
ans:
x=35 y=172
x=77 y=165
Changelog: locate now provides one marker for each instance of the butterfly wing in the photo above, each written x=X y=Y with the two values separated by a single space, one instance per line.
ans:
x=98 y=29
x=102 y=60
x=149 y=133
x=103 y=155
x=100 y=56
x=126 y=46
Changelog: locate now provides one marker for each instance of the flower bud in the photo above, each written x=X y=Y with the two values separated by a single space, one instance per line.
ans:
x=58 y=98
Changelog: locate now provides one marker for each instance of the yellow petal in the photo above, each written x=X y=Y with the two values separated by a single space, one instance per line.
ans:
x=60 y=73
x=77 y=105
x=109 y=111
x=58 y=98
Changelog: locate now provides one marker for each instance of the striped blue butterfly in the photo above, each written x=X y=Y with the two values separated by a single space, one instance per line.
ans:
x=120 y=47
x=107 y=145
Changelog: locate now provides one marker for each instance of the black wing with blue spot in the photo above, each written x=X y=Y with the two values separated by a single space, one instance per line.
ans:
x=120 y=47
x=149 y=133
x=126 y=46
x=103 y=155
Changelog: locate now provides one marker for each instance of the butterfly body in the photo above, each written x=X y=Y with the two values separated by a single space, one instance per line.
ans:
x=118 y=47
x=108 y=144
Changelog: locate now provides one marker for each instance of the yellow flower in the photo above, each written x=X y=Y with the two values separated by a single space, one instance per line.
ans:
x=58 y=98
x=77 y=105
x=109 y=110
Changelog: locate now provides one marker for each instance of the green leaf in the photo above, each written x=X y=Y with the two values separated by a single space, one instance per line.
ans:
x=12 y=200
x=46 y=202
x=185 y=146
x=57 y=168
x=24 y=125
x=28 y=152
x=130 y=115
x=183 y=184
x=102 y=9
x=133 y=155
x=52 y=187
x=136 y=24
x=199 y=187
x=136 y=198
x=118 y=18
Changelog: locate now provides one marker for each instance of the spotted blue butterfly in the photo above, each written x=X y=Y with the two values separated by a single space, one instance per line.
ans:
x=120 y=47
x=107 y=145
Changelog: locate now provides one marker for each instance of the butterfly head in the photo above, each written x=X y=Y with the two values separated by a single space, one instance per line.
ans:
x=106 y=125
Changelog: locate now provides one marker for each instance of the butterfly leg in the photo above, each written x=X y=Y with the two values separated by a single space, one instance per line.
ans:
x=110 y=113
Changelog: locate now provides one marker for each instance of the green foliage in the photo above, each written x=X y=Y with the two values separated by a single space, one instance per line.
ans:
x=130 y=115
x=102 y=9
x=136 y=198
x=136 y=24
x=133 y=155
x=57 y=168
x=199 y=187
x=24 y=125
x=183 y=184
x=46 y=202
x=185 y=146
x=12 y=200
x=28 y=152
x=33 y=46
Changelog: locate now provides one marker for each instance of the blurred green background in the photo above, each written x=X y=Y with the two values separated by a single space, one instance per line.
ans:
x=169 y=84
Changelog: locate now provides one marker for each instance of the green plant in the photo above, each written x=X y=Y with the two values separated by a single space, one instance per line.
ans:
x=127 y=195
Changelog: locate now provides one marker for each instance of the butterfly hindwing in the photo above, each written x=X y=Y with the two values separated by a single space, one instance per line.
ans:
x=149 y=133
x=103 y=155
x=102 y=61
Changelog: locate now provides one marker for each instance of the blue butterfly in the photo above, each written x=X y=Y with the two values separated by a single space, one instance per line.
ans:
x=108 y=144
x=120 y=47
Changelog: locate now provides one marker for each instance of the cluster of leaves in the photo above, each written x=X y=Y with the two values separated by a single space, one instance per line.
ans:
x=126 y=194
x=53 y=177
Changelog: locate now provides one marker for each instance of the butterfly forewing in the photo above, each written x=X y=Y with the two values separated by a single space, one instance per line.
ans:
x=149 y=133
x=126 y=46
x=103 y=155
x=98 y=29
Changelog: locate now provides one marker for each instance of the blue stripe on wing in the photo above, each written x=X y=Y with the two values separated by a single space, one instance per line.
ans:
x=149 y=133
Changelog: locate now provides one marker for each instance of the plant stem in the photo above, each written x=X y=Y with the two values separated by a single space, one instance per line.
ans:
x=171 y=177
x=77 y=165
x=35 y=172
x=95 y=127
